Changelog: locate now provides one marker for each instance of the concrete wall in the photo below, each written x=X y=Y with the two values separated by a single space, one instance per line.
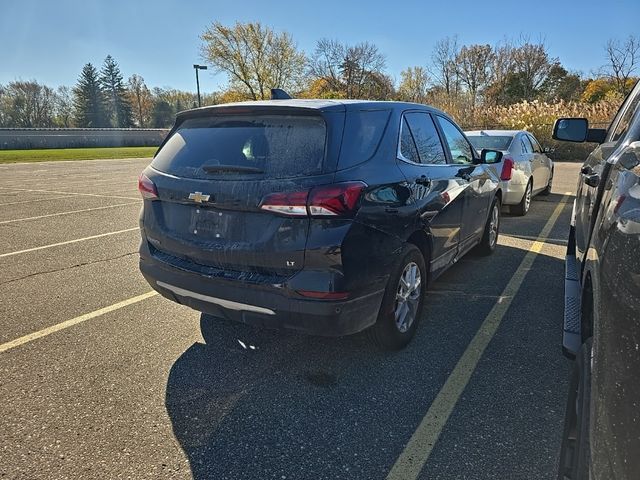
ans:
x=26 y=138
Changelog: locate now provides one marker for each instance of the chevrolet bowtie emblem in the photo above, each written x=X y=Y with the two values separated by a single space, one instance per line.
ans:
x=199 y=197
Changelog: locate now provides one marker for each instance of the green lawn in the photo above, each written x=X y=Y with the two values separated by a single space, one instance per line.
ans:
x=44 y=155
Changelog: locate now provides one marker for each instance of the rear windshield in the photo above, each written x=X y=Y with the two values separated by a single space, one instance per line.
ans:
x=268 y=146
x=492 y=142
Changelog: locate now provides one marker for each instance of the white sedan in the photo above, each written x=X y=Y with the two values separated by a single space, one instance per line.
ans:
x=524 y=171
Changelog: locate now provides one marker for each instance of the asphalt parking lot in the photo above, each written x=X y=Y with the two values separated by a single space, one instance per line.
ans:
x=100 y=380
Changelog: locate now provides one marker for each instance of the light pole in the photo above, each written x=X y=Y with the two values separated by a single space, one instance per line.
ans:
x=196 y=68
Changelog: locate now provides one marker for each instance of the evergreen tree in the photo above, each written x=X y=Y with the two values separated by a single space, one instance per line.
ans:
x=119 y=111
x=162 y=115
x=88 y=99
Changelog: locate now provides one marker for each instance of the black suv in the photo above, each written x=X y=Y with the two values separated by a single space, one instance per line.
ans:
x=602 y=302
x=322 y=216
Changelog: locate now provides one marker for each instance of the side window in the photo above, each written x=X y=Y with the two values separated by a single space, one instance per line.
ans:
x=526 y=144
x=426 y=138
x=624 y=122
x=407 y=145
x=458 y=145
x=536 y=146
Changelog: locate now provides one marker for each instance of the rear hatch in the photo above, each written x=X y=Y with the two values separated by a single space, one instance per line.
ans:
x=211 y=177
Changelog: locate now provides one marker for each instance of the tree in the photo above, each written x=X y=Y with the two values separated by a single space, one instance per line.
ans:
x=254 y=57
x=63 y=107
x=140 y=99
x=162 y=114
x=560 y=85
x=27 y=104
x=349 y=71
x=622 y=61
x=474 y=69
x=118 y=108
x=443 y=68
x=89 y=100
x=414 y=85
x=501 y=69
x=532 y=66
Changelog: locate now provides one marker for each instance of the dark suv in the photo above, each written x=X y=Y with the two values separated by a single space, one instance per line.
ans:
x=602 y=302
x=322 y=216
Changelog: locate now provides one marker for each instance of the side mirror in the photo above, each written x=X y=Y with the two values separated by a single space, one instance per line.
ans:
x=490 y=156
x=630 y=157
x=571 y=129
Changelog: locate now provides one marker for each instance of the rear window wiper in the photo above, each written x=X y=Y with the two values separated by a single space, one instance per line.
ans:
x=231 y=168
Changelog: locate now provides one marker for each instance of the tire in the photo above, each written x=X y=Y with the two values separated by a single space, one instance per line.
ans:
x=491 y=230
x=522 y=208
x=575 y=454
x=393 y=330
x=547 y=189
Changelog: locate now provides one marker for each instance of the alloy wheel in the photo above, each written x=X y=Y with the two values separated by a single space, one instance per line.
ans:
x=494 y=222
x=408 y=297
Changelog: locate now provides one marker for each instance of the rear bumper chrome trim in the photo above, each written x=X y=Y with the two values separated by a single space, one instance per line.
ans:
x=231 y=305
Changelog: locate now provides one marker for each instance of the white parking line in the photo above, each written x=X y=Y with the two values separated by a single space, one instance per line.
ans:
x=74 y=321
x=76 y=240
x=66 y=193
x=67 y=213
x=418 y=449
x=37 y=200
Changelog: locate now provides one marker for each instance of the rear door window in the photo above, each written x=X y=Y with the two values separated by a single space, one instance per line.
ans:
x=459 y=147
x=534 y=144
x=408 y=149
x=426 y=138
x=526 y=144
x=270 y=146
x=362 y=134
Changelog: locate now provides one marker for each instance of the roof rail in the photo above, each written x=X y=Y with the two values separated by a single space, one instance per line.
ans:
x=279 y=94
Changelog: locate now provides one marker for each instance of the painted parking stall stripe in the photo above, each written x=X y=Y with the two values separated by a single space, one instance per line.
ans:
x=68 y=213
x=74 y=321
x=76 y=240
x=418 y=449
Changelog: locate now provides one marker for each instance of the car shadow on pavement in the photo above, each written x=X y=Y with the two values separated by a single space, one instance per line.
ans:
x=258 y=403
x=240 y=363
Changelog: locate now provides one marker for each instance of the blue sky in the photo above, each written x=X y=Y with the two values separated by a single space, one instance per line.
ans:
x=50 y=40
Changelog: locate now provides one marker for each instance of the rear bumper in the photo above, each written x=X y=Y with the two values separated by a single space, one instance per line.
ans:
x=264 y=305
x=512 y=192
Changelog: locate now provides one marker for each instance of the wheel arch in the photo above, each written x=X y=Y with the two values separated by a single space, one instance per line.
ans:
x=422 y=240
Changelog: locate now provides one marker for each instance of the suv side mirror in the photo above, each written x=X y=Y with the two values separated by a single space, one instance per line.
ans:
x=577 y=130
x=571 y=129
x=490 y=156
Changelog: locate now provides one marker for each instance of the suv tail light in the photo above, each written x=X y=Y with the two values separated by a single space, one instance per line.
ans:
x=147 y=188
x=337 y=200
x=507 y=168
x=294 y=203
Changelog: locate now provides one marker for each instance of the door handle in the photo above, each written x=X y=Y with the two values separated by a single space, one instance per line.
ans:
x=391 y=210
x=423 y=180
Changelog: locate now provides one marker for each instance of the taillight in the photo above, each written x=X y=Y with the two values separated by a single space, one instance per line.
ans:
x=146 y=187
x=340 y=199
x=507 y=168
x=292 y=203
